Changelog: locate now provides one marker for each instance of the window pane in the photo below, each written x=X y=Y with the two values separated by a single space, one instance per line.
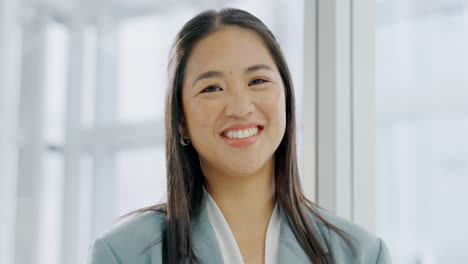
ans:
x=55 y=82
x=141 y=179
x=85 y=202
x=89 y=77
x=51 y=195
x=422 y=111
x=51 y=198
x=143 y=54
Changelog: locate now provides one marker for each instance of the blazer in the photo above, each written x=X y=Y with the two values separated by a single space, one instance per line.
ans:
x=126 y=243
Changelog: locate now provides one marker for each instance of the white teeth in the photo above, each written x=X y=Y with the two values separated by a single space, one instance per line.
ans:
x=242 y=133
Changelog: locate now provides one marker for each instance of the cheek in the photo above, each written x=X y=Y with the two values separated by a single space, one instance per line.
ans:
x=200 y=117
x=275 y=106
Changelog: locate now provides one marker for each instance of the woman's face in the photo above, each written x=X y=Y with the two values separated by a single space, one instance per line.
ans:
x=234 y=102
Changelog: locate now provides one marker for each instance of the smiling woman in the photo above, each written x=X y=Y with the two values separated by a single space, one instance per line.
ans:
x=233 y=189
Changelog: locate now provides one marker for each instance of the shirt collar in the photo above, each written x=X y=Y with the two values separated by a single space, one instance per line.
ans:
x=289 y=248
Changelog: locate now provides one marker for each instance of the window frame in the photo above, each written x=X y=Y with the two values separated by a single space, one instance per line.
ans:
x=9 y=99
x=339 y=174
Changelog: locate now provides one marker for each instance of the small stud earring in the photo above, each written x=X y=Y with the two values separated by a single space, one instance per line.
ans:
x=184 y=141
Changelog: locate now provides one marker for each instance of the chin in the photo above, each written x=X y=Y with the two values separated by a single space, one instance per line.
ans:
x=245 y=172
x=246 y=168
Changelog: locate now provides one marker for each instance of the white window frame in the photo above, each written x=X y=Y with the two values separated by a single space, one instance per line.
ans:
x=31 y=136
x=9 y=86
x=339 y=151
x=102 y=141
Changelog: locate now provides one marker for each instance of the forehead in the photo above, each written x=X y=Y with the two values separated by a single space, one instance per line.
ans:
x=231 y=48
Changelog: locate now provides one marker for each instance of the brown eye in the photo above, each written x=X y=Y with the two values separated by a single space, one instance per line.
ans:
x=257 y=81
x=211 y=89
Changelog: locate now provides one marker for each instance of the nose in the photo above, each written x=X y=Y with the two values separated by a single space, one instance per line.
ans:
x=239 y=106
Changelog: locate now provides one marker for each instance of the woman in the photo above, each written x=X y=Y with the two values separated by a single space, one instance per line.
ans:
x=233 y=191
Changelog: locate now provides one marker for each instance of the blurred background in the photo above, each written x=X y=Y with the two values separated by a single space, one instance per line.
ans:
x=82 y=87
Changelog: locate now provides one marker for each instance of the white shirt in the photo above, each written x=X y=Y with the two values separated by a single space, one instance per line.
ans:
x=229 y=249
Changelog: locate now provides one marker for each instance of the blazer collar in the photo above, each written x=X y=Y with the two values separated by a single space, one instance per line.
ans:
x=289 y=249
x=204 y=238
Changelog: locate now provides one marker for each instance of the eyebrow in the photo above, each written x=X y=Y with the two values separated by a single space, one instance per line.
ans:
x=214 y=74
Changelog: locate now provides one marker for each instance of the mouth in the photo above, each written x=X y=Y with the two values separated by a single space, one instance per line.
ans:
x=242 y=137
x=242 y=133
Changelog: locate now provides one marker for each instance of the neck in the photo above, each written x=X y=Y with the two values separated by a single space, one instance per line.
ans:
x=244 y=200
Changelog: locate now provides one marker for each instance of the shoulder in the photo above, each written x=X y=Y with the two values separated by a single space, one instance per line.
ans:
x=136 y=240
x=368 y=248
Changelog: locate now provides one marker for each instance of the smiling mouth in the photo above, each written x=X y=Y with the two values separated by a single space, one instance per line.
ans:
x=242 y=133
x=242 y=137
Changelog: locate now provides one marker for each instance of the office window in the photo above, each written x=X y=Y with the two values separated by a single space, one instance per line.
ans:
x=52 y=177
x=141 y=179
x=142 y=59
x=422 y=123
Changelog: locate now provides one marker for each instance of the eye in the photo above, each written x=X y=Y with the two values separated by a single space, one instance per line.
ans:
x=257 y=81
x=211 y=89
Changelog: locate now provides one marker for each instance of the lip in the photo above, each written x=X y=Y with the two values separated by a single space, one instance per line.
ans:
x=242 y=126
x=242 y=142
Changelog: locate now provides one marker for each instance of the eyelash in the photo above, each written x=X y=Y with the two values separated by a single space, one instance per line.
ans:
x=214 y=86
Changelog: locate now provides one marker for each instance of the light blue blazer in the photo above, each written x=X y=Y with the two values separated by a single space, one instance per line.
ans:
x=126 y=243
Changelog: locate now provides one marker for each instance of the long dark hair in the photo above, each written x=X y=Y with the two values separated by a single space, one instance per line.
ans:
x=185 y=180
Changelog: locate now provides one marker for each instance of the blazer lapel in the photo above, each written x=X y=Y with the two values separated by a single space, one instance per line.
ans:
x=289 y=248
x=204 y=239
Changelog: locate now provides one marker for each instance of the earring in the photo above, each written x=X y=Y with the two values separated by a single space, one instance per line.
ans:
x=184 y=141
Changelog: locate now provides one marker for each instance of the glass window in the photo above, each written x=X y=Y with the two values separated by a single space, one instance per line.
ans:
x=85 y=202
x=422 y=115
x=143 y=54
x=141 y=179
x=53 y=163
x=51 y=208
x=88 y=91
x=55 y=82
